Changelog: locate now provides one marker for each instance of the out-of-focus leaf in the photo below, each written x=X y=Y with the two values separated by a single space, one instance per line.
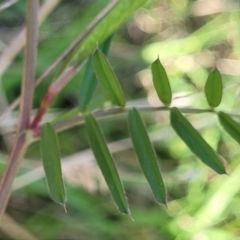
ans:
x=89 y=82
x=107 y=79
x=213 y=88
x=230 y=126
x=69 y=114
x=195 y=141
x=106 y=27
x=146 y=155
x=106 y=163
x=52 y=164
x=161 y=82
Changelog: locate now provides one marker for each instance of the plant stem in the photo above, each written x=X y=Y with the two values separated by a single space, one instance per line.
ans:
x=54 y=88
x=20 y=145
x=10 y=171
x=107 y=114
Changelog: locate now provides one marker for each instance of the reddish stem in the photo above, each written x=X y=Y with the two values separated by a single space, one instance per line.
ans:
x=45 y=104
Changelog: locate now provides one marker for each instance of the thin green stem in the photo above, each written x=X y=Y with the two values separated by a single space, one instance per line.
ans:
x=108 y=114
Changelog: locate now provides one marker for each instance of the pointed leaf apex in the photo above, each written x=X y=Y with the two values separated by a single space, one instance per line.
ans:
x=161 y=82
x=107 y=79
x=213 y=88
x=146 y=155
x=195 y=141
x=106 y=163
x=52 y=164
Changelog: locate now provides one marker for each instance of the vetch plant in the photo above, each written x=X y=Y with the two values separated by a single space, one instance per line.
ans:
x=85 y=50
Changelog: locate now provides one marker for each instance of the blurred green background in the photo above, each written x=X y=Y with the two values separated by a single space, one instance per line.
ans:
x=191 y=38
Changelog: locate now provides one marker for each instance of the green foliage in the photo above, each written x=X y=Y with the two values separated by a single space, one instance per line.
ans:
x=161 y=82
x=213 y=88
x=230 y=126
x=107 y=79
x=170 y=137
x=89 y=82
x=146 y=155
x=52 y=163
x=106 y=163
x=195 y=141
x=105 y=28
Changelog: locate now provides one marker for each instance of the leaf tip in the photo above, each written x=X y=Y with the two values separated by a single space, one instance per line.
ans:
x=64 y=207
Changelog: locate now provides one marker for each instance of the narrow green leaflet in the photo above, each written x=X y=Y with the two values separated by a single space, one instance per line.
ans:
x=89 y=83
x=52 y=164
x=88 y=86
x=230 y=126
x=107 y=79
x=106 y=163
x=65 y=116
x=146 y=155
x=161 y=82
x=195 y=141
x=213 y=88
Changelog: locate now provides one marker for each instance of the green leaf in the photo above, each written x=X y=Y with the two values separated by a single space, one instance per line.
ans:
x=161 y=82
x=106 y=163
x=67 y=115
x=89 y=83
x=106 y=27
x=213 y=88
x=107 y=79
x=195 y=141
x=52 y=164
x=230 y=126
x=146 y=155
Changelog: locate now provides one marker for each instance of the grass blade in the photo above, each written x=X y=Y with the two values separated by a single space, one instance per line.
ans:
x=161 y=82
x=213 y=88
x=146 y=155
x=107 y=79
x=52 y=164
x=106 y=163
x=230 y=126
x=89 y=83
x=194 y=141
